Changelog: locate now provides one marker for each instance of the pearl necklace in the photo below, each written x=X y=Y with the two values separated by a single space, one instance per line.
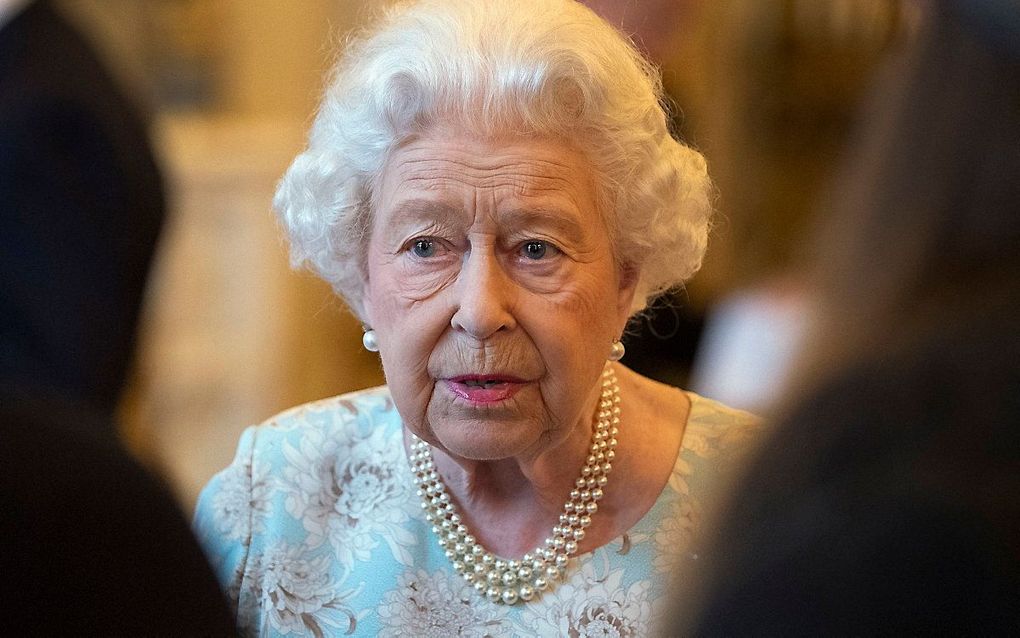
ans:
x=507 y=581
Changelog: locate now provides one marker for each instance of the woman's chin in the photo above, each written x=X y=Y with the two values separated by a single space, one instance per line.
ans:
x=487 y=432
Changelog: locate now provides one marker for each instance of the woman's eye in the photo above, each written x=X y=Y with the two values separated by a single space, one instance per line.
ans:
x=424 y=248
x=535 y=249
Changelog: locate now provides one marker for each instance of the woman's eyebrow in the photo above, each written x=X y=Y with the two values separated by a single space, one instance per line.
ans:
x=409 y=212
x=563 y=220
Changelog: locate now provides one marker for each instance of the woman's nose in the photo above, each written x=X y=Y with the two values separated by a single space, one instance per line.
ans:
x=484 y=304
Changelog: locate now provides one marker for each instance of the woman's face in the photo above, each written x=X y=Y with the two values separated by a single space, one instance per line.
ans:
x=493 y=291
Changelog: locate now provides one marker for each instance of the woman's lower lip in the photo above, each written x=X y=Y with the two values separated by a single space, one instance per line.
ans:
x=493 y=393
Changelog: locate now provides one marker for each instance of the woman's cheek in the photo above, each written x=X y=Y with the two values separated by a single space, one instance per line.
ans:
x=417 y=282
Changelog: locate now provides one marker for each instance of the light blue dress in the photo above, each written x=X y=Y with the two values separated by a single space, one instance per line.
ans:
x=315 y=530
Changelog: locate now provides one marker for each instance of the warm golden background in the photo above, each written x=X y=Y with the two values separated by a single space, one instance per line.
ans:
x=767 y=90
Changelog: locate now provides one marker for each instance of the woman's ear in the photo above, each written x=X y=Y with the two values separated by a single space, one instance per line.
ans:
x=629 y=277
x=364 y=313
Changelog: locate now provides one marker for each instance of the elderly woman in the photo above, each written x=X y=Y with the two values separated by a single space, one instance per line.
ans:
x=492 y=188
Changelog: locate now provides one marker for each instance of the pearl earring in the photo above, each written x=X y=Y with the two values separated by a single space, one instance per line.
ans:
x=369 y=341
x=617 y=350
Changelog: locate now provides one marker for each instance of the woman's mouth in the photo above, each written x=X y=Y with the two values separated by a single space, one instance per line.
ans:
x=480 y=388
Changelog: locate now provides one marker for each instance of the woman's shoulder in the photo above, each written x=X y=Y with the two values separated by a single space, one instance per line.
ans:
x=367 y=403
x=372 y=406
x=338 y=417
x=714 y=427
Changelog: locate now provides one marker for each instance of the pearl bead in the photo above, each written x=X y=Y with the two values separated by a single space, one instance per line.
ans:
x=541 y=583
x=524 y=573
x=569 y=547
x=508 y=578
x=584 y=520
x=480 y=586
x=561 y=561
x=527 y=592
x=493 y=594
x=591 y=507
x=579 y=534
x=552 y=572
x=509 y=596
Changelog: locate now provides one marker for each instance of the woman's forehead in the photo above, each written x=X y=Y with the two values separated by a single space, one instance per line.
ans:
x=449 y=177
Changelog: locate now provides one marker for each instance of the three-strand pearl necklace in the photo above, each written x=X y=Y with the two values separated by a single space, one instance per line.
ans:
x=507 y=581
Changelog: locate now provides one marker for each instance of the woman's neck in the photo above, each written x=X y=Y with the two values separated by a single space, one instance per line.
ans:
x=511 y=505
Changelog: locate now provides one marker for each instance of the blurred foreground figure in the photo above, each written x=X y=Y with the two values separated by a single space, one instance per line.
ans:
x=92 y=545
x=886 y=502
x=81 y=203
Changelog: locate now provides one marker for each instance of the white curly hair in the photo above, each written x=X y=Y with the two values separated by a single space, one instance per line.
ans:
x=497 y=67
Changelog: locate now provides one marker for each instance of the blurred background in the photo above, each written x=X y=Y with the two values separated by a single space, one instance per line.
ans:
x=766 y=89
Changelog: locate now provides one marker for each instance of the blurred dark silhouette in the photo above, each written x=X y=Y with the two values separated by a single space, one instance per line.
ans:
x=81 y=204
x=92 y=545
x=885 y=502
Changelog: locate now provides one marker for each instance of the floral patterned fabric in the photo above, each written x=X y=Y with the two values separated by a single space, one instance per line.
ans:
x=315 y=530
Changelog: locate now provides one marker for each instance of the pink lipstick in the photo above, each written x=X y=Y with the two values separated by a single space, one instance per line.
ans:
x=484 y=388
